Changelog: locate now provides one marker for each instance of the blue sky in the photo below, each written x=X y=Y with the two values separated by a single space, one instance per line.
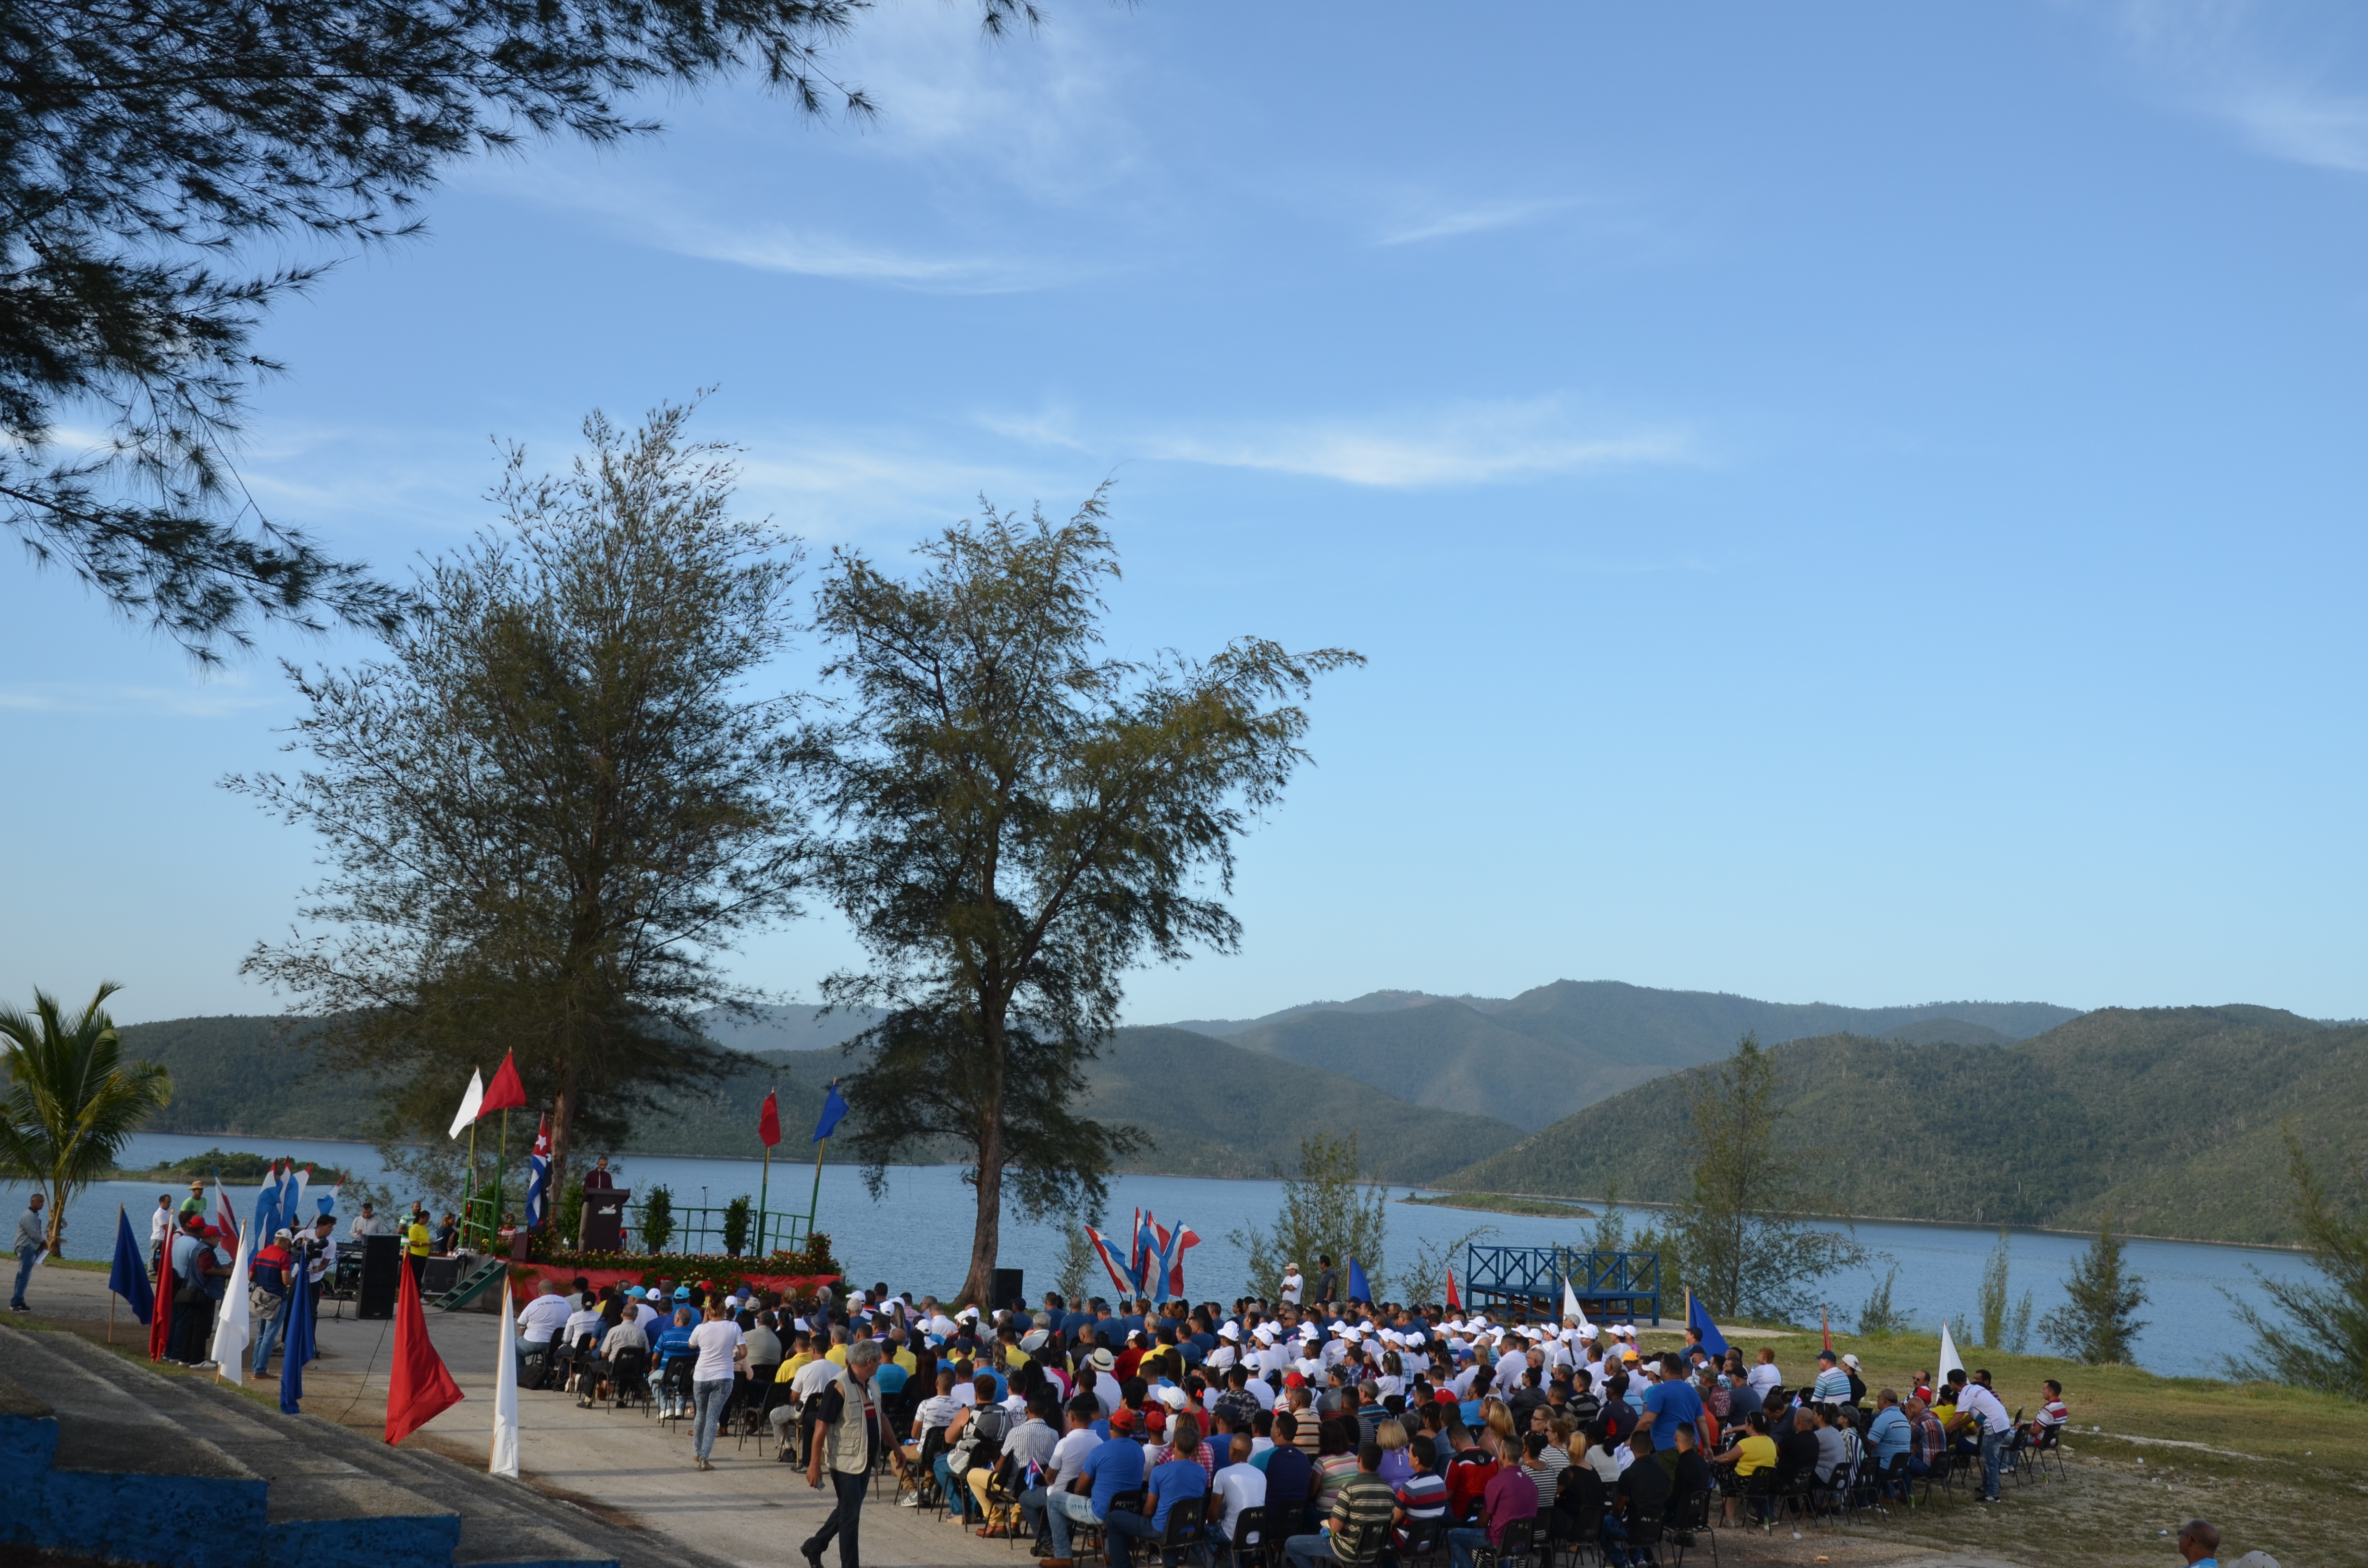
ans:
x=1861 y=505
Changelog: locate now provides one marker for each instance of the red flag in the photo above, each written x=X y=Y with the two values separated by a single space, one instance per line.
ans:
x=160 y=1317
x=768 y=1122
x=418 y=1389
x=1826 y=1323
x=505 y=1092
x=1454 y=1302
x=1186 y=1239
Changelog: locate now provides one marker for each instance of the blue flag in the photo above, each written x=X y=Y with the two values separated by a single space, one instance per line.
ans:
x=834 y=1111
x=1358 y=1290
x=267 y=1209
x=298 y=1347
x=1698 y=1317
x=129 y=1276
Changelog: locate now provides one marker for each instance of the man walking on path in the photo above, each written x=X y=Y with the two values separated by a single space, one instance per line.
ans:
x=31 y=1237
x=847 y=1439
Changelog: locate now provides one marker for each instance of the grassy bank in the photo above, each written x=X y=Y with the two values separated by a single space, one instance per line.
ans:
x=2278 y=1469
x=1504 y=1203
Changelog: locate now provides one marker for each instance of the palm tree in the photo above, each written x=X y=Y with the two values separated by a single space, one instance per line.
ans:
x=71 y=1103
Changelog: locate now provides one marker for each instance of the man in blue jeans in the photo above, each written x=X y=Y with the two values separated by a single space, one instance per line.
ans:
x=1181 y=1479
x=1978 y=1407
x=1115 y=1467
x=31 y=1237
x=269 y=1271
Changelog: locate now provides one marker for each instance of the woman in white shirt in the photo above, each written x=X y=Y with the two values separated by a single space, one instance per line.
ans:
x=721 y=1352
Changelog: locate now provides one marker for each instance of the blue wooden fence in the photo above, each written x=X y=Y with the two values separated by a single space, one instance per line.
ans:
x=1622 y=1285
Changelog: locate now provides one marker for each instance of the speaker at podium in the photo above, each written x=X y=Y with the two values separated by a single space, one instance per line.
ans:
x=604 y=1219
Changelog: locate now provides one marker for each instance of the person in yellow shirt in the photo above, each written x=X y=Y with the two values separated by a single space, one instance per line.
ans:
x=415 y=1244
x=1754 y=1453
x=801 y=1355
x=837 y=1351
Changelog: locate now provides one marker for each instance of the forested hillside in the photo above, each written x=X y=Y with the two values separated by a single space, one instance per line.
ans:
x=2170 y=1119
x=1210 y=1107
x=1536 y=1057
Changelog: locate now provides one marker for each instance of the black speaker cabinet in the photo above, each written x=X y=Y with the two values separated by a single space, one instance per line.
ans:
x=382 y=1275
x=1008 y=1289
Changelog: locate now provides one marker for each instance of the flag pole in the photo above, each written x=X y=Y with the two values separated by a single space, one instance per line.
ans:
x=469 y=1204
x=813 y=1205
x=764 y=1185
x=120 y=1223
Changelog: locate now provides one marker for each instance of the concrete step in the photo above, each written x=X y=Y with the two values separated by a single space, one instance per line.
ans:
x=122 y=1480
x=502 y=1524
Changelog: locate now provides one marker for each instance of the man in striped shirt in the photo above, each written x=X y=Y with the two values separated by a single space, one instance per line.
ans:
x=1833 y=1385
x=1358 y=1531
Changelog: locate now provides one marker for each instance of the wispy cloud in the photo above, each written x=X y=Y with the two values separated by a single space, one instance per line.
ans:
x=1477 y=219
x=2210 y=56
x=1473 y=443
x=2324 y=130
x=817 y=255
x=217 y=700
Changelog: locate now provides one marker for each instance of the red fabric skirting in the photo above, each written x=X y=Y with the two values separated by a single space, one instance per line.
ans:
x=565 y=1276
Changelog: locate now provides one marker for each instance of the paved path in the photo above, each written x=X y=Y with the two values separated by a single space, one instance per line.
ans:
x=637 y=1473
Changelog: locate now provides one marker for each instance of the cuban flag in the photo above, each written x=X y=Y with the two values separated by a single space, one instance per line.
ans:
x=538 y=1180
x=1184 y=1239
x=1128 y=1283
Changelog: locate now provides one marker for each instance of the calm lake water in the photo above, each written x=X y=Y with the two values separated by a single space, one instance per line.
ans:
x=917 y=1237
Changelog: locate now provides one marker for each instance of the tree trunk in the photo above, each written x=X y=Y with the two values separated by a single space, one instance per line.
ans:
x=986 y=1236
x=563 y=1137
x=57 y=1228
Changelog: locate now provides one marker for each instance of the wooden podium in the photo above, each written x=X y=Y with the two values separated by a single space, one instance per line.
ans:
x=604 y=1221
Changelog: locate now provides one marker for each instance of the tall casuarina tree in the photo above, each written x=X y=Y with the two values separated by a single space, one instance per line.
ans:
x=1010 y=821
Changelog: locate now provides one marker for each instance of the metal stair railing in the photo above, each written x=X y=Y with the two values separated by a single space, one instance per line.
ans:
x=471 y=1285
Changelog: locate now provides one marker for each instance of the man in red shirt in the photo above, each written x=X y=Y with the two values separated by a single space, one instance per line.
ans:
x=1507 y=1509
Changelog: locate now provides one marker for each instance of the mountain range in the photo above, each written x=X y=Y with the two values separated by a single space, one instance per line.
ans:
x=1986 y=1112
x=2171 y=1120
x=1535 y=1058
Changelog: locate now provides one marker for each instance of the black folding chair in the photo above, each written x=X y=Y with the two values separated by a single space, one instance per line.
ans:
x=629 y=1378
x=1426 y=1542
x=1246 y=1544
x=674 y=1384
x=1691 y=1524
x=1187 y=1531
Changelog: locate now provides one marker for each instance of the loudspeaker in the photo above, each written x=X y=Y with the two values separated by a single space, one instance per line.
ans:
x=604 y=1219
x=1008 y=1289
x=439 y=1274
x=382 y=1275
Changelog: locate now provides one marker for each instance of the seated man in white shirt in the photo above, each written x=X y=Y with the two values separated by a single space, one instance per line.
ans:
x=1239 y=1484
x=541 y=1318
x=936 y=1413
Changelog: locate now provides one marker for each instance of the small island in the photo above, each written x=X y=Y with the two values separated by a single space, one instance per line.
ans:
x=1503 y=1203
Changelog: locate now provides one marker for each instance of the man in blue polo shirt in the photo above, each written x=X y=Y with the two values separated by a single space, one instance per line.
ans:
x=1179 y=1479
x=1115 y=1467
x=1671 y=1402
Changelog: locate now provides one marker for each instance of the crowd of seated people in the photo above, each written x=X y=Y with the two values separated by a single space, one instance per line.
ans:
x=1341 y=1432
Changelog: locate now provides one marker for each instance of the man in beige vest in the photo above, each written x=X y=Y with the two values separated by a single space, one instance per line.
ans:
x=847 y=1438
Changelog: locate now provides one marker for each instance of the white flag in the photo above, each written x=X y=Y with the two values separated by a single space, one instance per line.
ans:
x=1949 y=1361
x=1570 y=1308
x=232 y=1329
x=470 y=1102
x=505 y=1428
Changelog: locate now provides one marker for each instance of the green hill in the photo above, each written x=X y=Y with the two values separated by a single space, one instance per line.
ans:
x=1210 y=1107
x=1545 y=1053
x=2168 y=1117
